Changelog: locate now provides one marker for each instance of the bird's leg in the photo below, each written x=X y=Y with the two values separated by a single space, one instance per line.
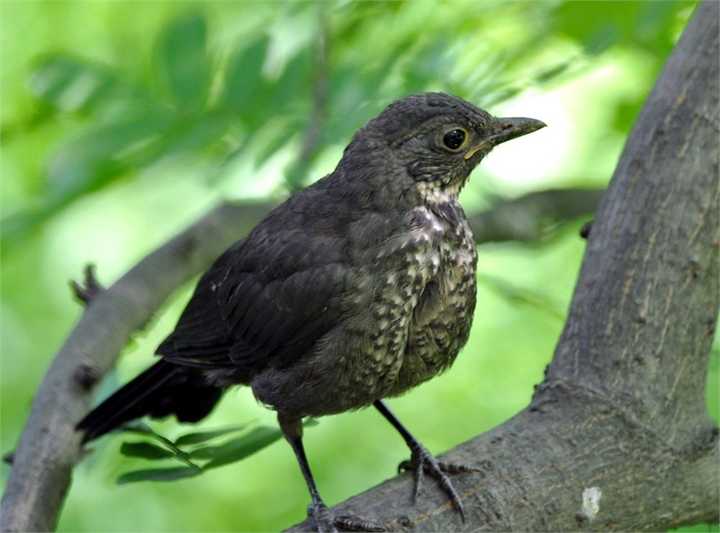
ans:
x=422 y=462
x=325 y=520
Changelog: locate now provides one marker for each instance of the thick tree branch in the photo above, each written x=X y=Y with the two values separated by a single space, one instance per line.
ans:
x=621 y=412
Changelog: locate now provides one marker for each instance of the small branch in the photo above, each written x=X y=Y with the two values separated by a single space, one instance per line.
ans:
x=527 y=218
x=89 y=288
x=585 y=230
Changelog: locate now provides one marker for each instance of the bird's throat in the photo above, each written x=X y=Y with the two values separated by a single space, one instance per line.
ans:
x=437 y=192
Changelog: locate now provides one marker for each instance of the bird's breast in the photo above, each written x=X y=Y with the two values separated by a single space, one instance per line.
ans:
x=442 y=316
x=423 y=301
x=408 y=314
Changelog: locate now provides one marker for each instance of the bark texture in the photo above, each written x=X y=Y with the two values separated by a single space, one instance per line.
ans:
x=621 y=414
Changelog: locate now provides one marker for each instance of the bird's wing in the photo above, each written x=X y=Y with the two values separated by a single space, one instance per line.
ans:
x=267 y=300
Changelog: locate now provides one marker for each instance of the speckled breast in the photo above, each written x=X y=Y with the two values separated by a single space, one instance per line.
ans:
x=442 y=318
x=423 y=304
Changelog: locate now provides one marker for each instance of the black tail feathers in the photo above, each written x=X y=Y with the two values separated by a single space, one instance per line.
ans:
x=161 y=390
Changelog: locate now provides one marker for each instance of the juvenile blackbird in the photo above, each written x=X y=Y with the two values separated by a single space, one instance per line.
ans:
x=355 y=289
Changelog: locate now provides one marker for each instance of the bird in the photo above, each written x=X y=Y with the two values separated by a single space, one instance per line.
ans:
x=354 y=290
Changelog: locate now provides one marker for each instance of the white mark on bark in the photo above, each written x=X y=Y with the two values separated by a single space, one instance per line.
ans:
x=591 y=503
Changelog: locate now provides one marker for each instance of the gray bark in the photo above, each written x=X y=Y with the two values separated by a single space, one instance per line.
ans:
x=622 y=408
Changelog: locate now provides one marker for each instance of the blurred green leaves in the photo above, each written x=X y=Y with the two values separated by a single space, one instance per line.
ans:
x=104 y=152
x=183 y=62
x=251 y=95
x=193 y=450
x=244 y=81
x=71 y=84
x=197 y=451
x=599 y=26
x=130 y=125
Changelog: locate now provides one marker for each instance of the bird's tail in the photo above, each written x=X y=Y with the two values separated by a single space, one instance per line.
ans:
x=161 y=390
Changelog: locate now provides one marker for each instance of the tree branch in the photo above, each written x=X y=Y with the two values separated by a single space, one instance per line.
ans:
x=527 y=218
x=621 y=413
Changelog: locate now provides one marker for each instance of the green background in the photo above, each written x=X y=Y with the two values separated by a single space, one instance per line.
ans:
x=122 y=122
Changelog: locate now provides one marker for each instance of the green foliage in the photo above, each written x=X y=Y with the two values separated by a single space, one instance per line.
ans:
x=159 y=474
x=183 y=62
x=197 y=103
x=200 y=437
x=193 y=450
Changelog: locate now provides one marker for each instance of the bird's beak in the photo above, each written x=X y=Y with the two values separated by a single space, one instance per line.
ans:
x=505 y=129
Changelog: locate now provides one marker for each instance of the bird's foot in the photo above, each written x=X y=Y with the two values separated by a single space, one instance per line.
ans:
x=326 y=522
x=422 y=462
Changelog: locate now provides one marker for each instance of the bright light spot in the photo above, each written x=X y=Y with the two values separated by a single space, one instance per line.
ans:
x=579 y=128
x=77 y=92
x=591 y=503
x=538 y=157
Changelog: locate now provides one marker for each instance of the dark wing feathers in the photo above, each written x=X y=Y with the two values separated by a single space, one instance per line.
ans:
x=266 y=301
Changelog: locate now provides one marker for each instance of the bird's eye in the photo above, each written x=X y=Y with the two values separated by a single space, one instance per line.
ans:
x=454 y=139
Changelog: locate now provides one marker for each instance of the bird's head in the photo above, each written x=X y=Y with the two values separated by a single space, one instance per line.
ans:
x=439 y=138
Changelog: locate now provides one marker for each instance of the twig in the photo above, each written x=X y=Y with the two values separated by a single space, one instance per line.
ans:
x=527 y=218
x=89 y=288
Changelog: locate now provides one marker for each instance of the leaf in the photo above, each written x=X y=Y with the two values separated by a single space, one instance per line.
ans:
x=273 y=138
x=550 y=73
x=70 y=84
x=91 y=161
x=629 y=23
x=294 y=80
x=158 y=474
x=237 y=449
x=103 y=153
x=177 y=453
x=183 y=61
x=145 y=450
x=204 y=436
x=139 y=428
x=244 y=83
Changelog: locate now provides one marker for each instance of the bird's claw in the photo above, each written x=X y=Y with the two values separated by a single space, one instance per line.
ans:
x=326 y=522
x=422 y=462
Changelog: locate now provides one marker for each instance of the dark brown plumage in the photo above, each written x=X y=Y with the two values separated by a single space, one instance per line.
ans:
x=355 y=289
